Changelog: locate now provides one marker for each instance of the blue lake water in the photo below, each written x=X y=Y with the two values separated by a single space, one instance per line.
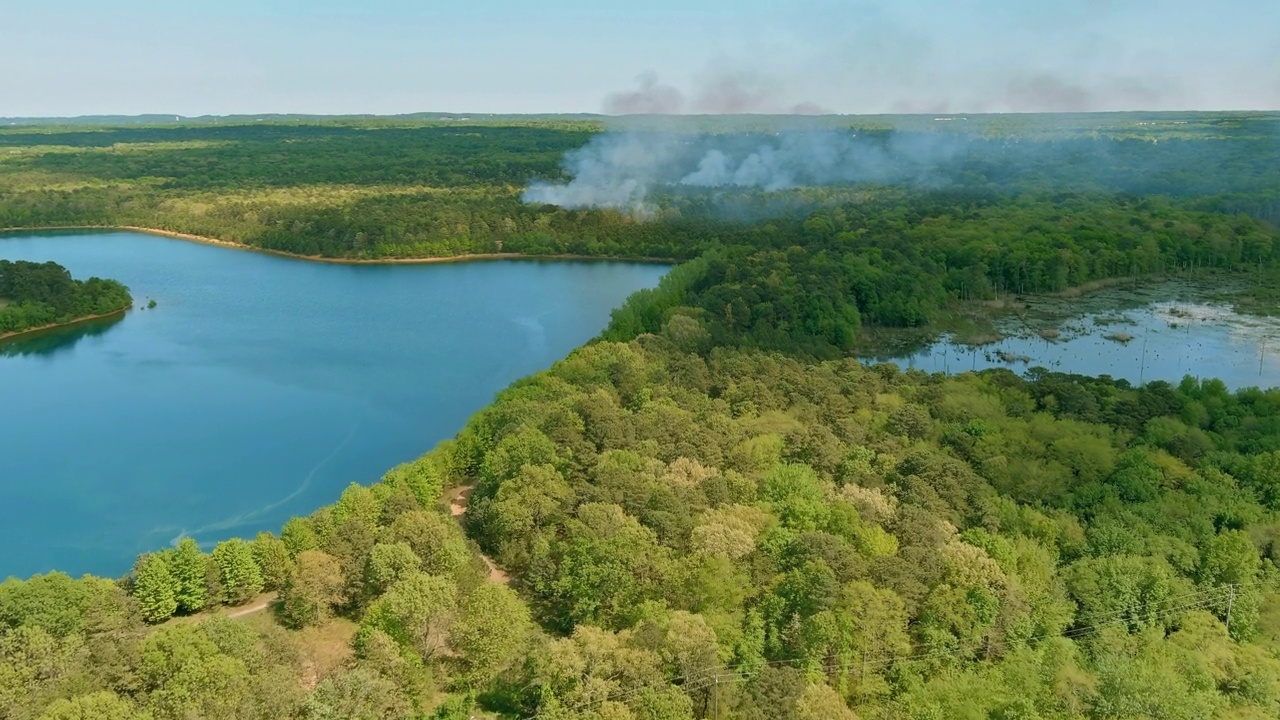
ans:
x=258 y=388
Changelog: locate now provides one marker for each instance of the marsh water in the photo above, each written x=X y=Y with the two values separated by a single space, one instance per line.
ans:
x=1159 y=331
x=258 y=387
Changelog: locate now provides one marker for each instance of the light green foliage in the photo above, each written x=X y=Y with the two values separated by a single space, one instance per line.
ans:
x=388 y=563
x=757 y=455
x=1121 y=588
x=797 y=496
x=422 y=478
x=155 y=588
x=685 y=642
x=609 y=565
x=33 y=667
x=311 y=593
x=357 y=507
x=274 y=559
x=432 y=537
x=489 y=633
x=1157 y=681
x=820 y=702
x=1230 y=558
x=415 y=612
x=534 y=497
x=526 y=446
x=238 y=572
x=355 y=695
x=53 y=602
x=299 y=535
x=103 y=705
x=187 y=566
x=220 y=668
x=730 y=531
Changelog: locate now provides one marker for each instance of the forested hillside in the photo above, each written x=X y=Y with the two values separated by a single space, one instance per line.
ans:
x=695 y=531
x=713 y=511
x=37 y=294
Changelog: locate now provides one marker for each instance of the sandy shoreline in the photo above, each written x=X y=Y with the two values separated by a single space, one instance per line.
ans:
x=471 y=257
x=55 y=326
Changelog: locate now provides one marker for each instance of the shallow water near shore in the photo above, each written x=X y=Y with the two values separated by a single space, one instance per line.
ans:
x=1164 y=331
x=257 y=388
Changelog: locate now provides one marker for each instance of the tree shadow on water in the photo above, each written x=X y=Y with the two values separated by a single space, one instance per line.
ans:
x=51 y=342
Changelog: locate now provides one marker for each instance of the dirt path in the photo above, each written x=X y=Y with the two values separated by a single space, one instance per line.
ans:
x=459 y=497
x=258 y=606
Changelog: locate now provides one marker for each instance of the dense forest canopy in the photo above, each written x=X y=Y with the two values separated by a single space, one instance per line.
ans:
x=37 y=294
x=699 y=532
x=712 y=511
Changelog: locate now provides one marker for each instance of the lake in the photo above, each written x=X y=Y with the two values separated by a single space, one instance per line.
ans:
x=258 y=387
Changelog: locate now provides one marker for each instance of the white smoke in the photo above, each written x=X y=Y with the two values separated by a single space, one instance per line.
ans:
x=620 y=170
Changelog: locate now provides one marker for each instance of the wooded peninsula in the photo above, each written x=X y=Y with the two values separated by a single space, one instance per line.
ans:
x=713 y=510
x=37 y=296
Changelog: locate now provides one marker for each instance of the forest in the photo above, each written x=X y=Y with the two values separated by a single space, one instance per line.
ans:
x=35 y=295
x=694 y=531
x=713 y=510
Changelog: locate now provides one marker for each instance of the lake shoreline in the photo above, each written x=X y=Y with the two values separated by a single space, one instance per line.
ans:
x=469 y=257
x=6 y=337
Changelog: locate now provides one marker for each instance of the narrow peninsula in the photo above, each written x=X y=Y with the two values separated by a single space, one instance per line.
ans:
x=42 y=296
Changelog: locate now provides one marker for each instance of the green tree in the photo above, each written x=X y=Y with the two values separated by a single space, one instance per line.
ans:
x=273 y=557
x=238 y=572
x=187 y=566
x=415 y=612
x=355 y=695
x=155 y=588
x=388 y=563
x=820 y=702
x=311 y=593
x=489 y=633
x=102 y=705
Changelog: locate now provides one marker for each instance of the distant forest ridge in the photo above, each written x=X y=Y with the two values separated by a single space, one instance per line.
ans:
x=954 y=121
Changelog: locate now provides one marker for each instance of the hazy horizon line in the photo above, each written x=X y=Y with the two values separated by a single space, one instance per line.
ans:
x=463 y=115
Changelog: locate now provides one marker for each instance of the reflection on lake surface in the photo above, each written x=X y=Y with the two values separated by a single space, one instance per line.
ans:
x=258 y=387
x=58 y=340
x=1159 y=341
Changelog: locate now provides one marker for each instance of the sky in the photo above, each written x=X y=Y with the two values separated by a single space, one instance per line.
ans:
x=80 y=57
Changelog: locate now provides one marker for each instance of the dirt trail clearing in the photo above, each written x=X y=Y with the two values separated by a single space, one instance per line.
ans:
x=459 y=497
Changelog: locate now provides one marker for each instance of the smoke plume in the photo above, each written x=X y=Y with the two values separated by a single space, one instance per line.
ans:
x=621 y=170
x=722 y=93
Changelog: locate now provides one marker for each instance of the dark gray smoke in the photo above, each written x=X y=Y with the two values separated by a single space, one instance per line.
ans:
x=650 y=98
x=621 y=170
x=725 y=93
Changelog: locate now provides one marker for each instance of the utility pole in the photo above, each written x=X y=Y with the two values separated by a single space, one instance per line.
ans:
x=715 y=698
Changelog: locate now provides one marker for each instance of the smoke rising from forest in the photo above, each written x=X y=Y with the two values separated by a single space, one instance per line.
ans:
x=723 y=93
x=621 y=170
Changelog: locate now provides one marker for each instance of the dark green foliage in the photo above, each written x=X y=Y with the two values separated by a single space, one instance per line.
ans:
x=37 y=294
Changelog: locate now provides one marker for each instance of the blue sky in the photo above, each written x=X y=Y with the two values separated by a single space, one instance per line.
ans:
x=71 y=57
